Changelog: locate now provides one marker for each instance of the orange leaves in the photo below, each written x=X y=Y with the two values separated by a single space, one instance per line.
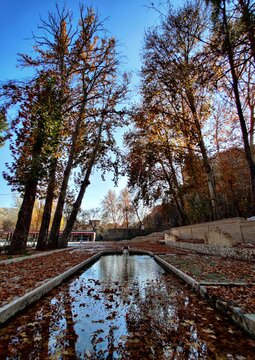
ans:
x=19 y=278
x=213 y=269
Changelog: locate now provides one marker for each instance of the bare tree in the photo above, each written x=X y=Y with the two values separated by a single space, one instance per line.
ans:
x=110 y=208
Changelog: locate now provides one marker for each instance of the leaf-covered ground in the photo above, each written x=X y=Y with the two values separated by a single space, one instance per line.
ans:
x=137 y=311
x=19 y=278
x=213 y=269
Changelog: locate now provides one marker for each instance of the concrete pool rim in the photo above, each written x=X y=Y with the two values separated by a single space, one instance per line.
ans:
x=244 y=321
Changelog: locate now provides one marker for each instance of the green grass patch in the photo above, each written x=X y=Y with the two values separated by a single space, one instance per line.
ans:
x=212 y=263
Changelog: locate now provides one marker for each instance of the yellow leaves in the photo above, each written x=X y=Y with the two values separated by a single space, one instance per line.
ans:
x=58 y=155
x=64 y=40
x=188 y=322
x=210 y=333
x=124 y=337
x=57 y=355
x=93 y=66
x=193 y=344
x=95 y=40
x=37 y=338
x=84 y=55
x=219 y=357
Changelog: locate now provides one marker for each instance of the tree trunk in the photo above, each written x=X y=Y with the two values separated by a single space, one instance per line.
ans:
x=252 y=124
x=207 y=166
x=249 y=25
x=179 y=204
x=63 y=240
x=210 y=179
x=135 y=207
x=174 y=188
x=43 y=234
x=55 y=228
x=250 y=103
x=19 y=239
x=247 y=149
x=180 y=201
x=20 y=235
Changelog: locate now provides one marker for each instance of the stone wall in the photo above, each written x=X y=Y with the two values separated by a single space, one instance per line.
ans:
x=154 y=237
x=225 y=232
x=120 y=234
x=240 y=254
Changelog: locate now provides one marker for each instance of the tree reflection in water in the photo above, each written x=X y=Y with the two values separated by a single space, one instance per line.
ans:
x=123 y=307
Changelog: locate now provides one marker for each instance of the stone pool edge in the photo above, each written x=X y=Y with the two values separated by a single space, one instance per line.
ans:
x=244 y=321
x=27 y=257
x=16 y=306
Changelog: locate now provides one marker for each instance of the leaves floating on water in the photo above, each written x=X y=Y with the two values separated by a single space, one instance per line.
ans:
x=153 y=316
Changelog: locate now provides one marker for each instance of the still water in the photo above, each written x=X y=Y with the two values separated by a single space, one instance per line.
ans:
x=123 y=307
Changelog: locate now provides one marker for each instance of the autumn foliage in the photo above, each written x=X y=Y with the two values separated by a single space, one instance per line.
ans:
x=65 y=122
x=190 y=146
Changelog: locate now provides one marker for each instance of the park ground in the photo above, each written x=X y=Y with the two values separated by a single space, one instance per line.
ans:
x=231 y=281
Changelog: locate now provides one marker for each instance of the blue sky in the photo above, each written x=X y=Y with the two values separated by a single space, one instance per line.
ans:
x=125 y=19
